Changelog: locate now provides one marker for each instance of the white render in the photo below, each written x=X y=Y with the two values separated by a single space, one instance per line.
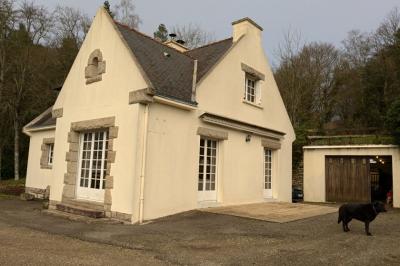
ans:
x=155 y=171
x=36 y=177
x=314 y=167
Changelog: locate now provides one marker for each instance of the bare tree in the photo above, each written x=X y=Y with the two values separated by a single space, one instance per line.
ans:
x=7 y=23
x=33 y=28
x=305 y=78
x=288 y=75
x=70 y=23
x=125 y=12
x=386 y=33
x=36 y=19
x=193 y=35
x=358 y=48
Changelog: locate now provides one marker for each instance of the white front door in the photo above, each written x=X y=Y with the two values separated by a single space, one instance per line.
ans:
x=207 y=182
x=93 y=148
x=267 y=173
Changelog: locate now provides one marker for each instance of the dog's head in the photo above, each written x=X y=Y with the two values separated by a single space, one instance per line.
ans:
x=379 y=206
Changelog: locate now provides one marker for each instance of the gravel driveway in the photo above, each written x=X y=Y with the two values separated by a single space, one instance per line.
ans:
x=203 y=238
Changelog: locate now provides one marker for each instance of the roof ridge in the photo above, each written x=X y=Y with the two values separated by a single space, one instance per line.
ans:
x=209 y=44
x=150 y=38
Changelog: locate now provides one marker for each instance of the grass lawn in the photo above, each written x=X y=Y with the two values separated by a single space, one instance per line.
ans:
x=11 y=188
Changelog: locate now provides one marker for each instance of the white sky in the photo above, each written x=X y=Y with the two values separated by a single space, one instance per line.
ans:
x=318 y=20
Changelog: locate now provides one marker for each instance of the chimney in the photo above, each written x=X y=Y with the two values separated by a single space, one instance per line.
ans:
x=177 y=45
x=245 y=26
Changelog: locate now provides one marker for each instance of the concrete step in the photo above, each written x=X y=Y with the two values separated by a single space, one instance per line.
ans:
x=73 y=209
x=84 y=204
x=80 y=218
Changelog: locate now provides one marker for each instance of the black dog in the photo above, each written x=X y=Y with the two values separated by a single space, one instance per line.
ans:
x=363 y=212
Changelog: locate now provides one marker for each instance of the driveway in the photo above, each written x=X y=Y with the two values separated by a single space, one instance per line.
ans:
x=278 y=212
x=195 y=238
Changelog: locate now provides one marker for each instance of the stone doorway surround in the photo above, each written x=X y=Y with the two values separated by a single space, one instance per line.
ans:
x=72 y=160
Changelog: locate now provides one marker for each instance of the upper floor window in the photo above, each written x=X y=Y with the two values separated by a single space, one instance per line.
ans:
x=252 y=90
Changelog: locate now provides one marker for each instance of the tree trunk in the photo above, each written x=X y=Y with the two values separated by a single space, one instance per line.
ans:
x=16 y=148
x=1 y=153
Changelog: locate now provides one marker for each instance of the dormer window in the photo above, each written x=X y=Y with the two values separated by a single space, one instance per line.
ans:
x=252 y=88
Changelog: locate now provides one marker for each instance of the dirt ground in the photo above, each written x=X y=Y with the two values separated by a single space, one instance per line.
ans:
x=194 y=238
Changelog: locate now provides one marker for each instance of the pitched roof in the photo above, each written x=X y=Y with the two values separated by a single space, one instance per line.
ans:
x=45 y=119
x=209 y=55
x=172 y=75
x=169 y=71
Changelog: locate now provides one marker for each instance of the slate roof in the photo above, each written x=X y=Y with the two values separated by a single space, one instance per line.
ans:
x=45 y=121
x=209 y=55
x=169 y=70
x=172 y=76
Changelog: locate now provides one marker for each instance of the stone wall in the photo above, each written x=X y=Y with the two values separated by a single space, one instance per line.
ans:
x=298 y=175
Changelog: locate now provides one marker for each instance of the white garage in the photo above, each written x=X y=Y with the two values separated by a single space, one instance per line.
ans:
x=351 y=173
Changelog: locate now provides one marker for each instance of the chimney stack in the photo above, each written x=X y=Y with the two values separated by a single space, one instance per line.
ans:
x=245 y=26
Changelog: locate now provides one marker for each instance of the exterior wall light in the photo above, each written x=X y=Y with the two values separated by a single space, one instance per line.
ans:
x=248 y=138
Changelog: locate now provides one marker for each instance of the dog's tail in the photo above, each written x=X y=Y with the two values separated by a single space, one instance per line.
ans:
x=339 y=219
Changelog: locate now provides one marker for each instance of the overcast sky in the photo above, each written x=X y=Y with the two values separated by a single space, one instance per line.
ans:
x=318 y=20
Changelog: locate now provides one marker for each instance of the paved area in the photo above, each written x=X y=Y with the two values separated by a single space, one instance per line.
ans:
x=22 y=246
x=194 y=238
x=278 y=212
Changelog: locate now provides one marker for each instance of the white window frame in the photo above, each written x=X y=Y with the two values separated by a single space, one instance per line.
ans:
x=252 y=93
x=268 y=172
x=92 y=169
x=50 y=153
x=208 y=165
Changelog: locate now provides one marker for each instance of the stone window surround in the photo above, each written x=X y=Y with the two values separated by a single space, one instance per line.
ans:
x=271 y=144
x=72 y=159
x=44 y=159
x=212 y=133
x=95 y=68
x=253 y=72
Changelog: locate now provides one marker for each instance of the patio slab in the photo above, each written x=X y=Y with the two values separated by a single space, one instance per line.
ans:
x=277 y=212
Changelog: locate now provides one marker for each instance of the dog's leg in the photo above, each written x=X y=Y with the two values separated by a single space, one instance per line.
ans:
x=344 y=226
x=367 y=229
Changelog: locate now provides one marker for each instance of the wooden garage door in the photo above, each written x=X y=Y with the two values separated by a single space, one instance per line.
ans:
x=347 y=179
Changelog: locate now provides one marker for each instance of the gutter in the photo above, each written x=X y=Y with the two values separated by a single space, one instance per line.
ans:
x=143 y=163
x=28 y=132
x=183 y=106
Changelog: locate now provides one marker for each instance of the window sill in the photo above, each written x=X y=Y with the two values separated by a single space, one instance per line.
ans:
x=46 y=167
x=253 y=104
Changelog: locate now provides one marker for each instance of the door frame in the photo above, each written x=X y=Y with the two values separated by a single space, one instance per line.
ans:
x=209 y=196
x=87 y=193
x=267 y=193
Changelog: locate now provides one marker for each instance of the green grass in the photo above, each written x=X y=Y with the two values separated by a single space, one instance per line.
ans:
x=12 y=182
x=11 y=188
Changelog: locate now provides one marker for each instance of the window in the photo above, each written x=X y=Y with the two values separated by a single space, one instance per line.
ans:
x=50 y=148
x=267 y=169
x=207 y=164
x=252 y=94
x=93 y=159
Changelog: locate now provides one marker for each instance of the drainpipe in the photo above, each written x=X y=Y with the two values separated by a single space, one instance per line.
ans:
x=143 y=162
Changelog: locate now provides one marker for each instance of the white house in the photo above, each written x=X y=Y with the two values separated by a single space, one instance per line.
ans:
x=142 y=129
